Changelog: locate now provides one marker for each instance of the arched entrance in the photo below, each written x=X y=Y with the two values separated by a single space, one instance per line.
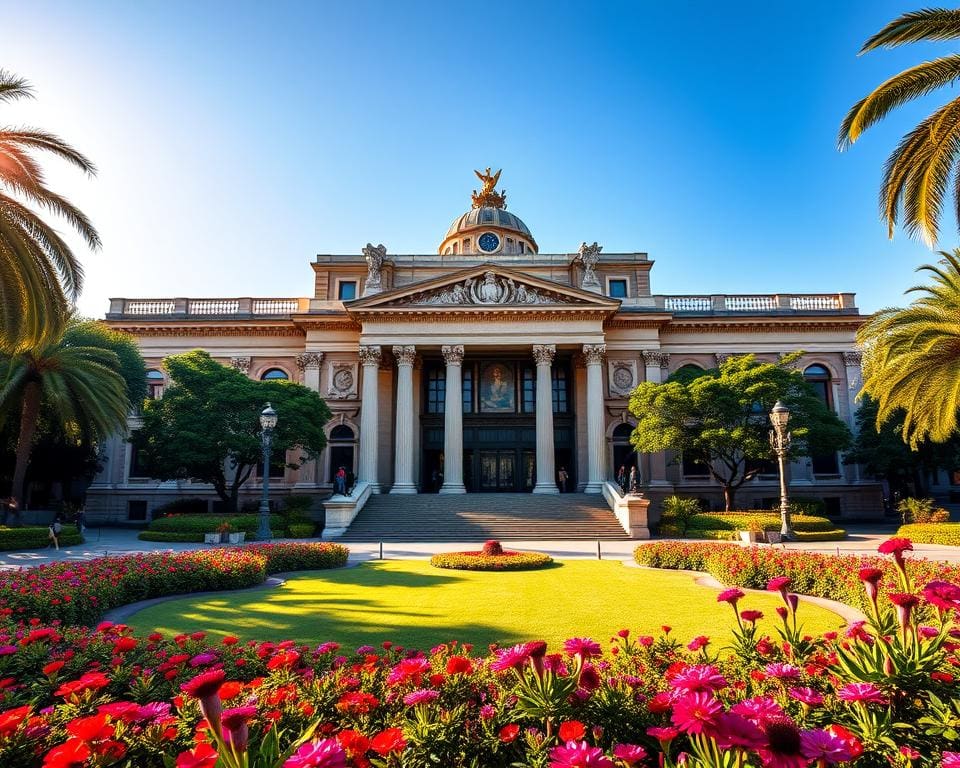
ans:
x=341 y=449
x=623 y=453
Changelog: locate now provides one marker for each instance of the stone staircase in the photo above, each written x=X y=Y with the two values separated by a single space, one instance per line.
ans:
x=480 y=516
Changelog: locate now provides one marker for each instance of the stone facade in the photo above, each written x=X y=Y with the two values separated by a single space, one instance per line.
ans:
x=490 y=366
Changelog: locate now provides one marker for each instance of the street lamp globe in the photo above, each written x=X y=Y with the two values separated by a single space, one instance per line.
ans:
x=779 y=416
x=268 y=418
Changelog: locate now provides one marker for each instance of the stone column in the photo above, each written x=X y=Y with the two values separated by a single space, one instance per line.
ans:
x=654 y=363
x=546 y=474
x=403 y=449
x=309 y=365
x=853 y=362
x=369 y=416
x=596 y=453
x=453 y=422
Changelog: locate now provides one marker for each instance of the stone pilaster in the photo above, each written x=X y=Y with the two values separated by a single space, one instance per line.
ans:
x=453 y=421
x=309 y=365
x=369 y=417
x=403 y=449
x=596 y=452
x=546 y=471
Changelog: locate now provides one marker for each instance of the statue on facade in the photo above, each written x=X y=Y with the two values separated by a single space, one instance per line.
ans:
x=589 y=255
x=488 y=197
x=374 y=256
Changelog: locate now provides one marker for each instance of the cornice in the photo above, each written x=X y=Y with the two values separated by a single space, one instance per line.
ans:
x=764 y=324
x=483 y=312
x=207 y=330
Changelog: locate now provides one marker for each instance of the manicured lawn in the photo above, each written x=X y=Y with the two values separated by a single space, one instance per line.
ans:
x=416 y=605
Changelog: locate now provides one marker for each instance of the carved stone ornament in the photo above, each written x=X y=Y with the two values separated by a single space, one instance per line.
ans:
x=589 y=255
x=452 y=355
x=309 y=360
x=543 y=353
x=593 y=353
x=487 y=290
x=242 y=364
x=722 y=357
x=406 y=355
x=370 y=355
x=622 y=376
x=342 y=383
x=374 y=256
x=853 y=359
x=655 y=359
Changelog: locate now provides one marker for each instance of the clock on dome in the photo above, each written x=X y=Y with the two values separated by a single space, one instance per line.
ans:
x=488 y=242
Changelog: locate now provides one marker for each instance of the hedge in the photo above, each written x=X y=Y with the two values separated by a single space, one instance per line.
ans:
x=932 y=533
x=738 y=521
x=835 y=577
x=478 y=561
x=208 y=523
x=191 y=538
x=80 y=592
x=36 y=537
x=834 y=534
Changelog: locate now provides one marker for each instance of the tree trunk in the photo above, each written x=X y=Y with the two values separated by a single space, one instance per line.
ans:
x=729 y=497
x=29 y=413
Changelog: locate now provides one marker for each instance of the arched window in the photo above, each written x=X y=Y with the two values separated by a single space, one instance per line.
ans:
x=342 y=445
x=818 y=377
x=689 y=371
x=274 y=374
x=341 y=432
x=623 y=453
x=155 y=382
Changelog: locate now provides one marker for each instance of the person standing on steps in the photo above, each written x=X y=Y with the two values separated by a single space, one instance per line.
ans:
x=633 y=480
x=622 y=478
x=340 y=481
x=562 y=478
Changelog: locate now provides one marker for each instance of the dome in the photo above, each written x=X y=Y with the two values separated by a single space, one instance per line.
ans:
x=479 y=218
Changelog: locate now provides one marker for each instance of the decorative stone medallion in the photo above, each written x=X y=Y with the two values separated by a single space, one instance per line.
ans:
x=622 y=377
x=342 y=384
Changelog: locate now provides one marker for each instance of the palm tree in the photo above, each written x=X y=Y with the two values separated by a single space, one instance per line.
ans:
x=80 y=386
x=912 y=357
x=916 y=176
x=39 y=273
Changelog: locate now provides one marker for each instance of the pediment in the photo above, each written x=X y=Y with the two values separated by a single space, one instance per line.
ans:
x=486 y=286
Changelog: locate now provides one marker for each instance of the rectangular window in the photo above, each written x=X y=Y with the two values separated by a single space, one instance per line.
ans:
x=693 y=467
x=436 y=390
x=136 y=509
x=529 y=390
x=521 y=246
x=347 y=290
x=825 y=464
x=137 y=468
x=278 y=465
x=467 y=388
x=560 y=394
x=617 y=288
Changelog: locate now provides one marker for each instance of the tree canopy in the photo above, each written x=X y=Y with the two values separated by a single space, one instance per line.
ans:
x=721 y=417
x=206 y=426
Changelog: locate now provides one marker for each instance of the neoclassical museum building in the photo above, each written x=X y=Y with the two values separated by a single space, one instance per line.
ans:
x=488 y=366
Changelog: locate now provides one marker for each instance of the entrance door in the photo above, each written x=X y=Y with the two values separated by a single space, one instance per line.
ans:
x=497 y=471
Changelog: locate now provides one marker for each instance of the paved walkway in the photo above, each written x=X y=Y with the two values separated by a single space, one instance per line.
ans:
x=117 y=541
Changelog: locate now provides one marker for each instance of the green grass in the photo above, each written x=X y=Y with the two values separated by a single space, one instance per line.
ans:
x=416 y=605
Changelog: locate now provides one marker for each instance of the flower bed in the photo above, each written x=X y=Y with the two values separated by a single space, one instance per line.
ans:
x=932 y=533
x=830 y=576
x=878 y=695
x=80 y=592
x=491 y=558
x=35 y=537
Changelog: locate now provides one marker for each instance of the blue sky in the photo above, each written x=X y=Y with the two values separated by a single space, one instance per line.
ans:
x=236 y=140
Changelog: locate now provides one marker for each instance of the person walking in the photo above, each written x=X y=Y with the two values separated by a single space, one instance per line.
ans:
x=80 y=519
x=56 y=528
x=340 y=481
x=562 y=477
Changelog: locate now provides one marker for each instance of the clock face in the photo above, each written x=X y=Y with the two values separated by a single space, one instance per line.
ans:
x=488 y=242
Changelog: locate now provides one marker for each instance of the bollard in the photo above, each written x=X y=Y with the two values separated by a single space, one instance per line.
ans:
x=381 y=550
x=598 y=549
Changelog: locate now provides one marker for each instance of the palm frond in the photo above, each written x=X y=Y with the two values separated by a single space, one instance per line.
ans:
x=48 y=142
x=926 y=24
x=14 y=87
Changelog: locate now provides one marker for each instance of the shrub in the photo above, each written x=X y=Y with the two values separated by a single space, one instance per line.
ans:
x=297 y=504
x=172 y=536
x=480 y=561
x=932 y=533
x=188 y=506
x=677 y=513
x=921 y=511
x=802 y=505
x=301 y=530
x=200 y=524
x=36 y=537
x=492 y=547
x=739 y=521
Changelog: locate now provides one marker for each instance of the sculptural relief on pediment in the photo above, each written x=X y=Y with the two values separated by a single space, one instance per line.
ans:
x=485 y=290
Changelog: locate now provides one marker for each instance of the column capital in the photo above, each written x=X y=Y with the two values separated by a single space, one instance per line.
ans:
x=853 y=359
x=656 y=358
x=593 y=353
x=405 y=354
x=309 y=360
x=370 y=355
x=242 y=364
x=543 y=353
x=452 y=354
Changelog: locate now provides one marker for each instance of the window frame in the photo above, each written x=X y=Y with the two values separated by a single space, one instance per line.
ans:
x=610 y=279
x=341 y=281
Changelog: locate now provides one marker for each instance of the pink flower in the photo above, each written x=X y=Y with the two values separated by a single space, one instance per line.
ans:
x=696 y=713
x=631 y=754
x=824 y=747
x=326 y=753
x=700 y=641
x=943 y=595
x=663 y=735
x=950 y=760
x=731 y=596
x=700 y=677
x=783 y=671
x=758 y=710
x=583 y=647
x=579 y=754
x=783 y=747
x=866 y=693
x=751 y=616
x=905 y=603
x=807 y=696
x=420 y=696
x=779 y=584
x=896 y=547
x=511 y=658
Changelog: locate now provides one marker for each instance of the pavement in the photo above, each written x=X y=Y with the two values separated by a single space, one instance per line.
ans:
x=863 y=540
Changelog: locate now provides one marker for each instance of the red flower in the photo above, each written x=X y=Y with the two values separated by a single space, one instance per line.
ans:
x=509 y=733
x=853 y=743
x=459 y=665
x=354 y=743
x=204 y=685
x=94 y=728
x=12 y=718
x=357 y=703
x=389 y=741
x=71 y=754
x=201 y=756
x=572 y=730
x=896 y=547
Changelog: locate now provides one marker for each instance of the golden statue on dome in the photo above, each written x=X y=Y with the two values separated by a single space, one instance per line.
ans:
x=488 y=197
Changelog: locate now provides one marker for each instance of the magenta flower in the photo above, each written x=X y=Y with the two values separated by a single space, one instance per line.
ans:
x=751 y=616
x=942 y=595
x=783 y=671
x=950 y=760
x=700 y=641
x=696 y=713
x=664 y=735
x=731 y=596
x=871 y=580
x=579 y=754
x=807 y=696
x=420 y=696
x=866 y=693
x=583 y=647
x=824 y=747
x=758 y=710
x=631 y=754
x=326 y=753
x=700 y=677
x=511 y=658
x=784 y=745
x=779 y=584
x=736 y=732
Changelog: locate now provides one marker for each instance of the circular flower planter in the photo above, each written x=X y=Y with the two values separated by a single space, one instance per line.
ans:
x=479 y=561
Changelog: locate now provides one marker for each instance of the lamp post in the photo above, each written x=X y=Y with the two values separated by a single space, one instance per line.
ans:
x=268 y=422
x=780 y=442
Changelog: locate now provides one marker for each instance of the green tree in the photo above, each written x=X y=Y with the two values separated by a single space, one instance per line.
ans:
x=77 y=386
x=917 y=174
x=721 y=417
x=912 y=357
x=40 y=275
x=208 y=420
